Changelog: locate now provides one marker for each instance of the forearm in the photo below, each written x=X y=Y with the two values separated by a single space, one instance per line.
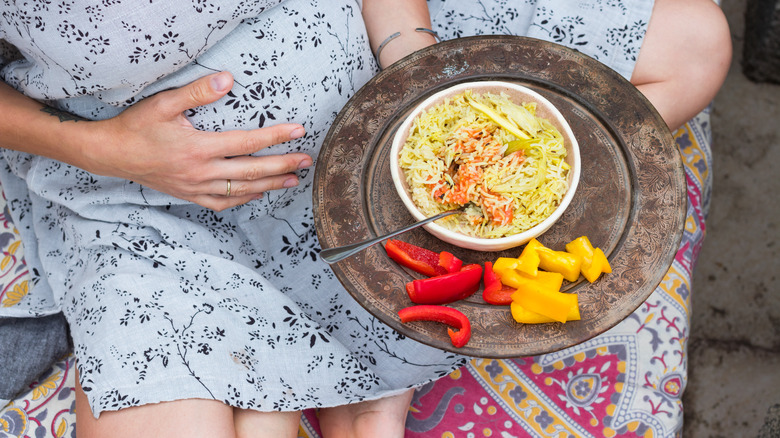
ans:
x=30 y=126
x=386 y=17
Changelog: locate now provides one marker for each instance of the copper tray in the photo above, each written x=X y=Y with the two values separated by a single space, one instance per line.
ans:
x=631 y=199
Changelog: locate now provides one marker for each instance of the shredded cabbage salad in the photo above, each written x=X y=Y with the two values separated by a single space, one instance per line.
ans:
x=497 y=158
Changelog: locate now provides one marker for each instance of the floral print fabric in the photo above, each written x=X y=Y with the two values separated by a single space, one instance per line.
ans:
x=167 y=300
x=610 y=31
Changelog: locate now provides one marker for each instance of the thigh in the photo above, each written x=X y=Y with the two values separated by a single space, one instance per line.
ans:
x=190 y=418
x=257 y=424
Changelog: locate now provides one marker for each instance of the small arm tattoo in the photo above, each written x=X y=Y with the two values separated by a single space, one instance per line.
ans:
x=62 y=115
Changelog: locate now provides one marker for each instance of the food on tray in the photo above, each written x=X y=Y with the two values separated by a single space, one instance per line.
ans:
x=422 y=260
x=490 y=154
x=525 y=316
x=446 y=315
x=537 y=276
x=530 y=284
x=594 y=262
x=536 y=298
x=446 y=288
x=495 y=292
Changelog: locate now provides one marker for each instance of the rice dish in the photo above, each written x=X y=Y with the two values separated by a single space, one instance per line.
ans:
x=497 y=158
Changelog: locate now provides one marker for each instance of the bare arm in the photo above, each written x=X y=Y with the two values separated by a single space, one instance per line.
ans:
x=30 y=126
x=386 y=17
x=684 y=58
x=153 y=144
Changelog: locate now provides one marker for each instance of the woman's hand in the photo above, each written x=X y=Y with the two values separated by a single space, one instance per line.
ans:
x=153 y=144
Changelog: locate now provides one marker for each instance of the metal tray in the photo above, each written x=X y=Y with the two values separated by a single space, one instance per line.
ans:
x=631 y=200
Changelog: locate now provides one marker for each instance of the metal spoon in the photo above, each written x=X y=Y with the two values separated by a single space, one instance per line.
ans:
x=333 y=255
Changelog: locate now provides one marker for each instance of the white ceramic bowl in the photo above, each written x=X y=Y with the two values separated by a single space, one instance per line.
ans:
x=518 y=94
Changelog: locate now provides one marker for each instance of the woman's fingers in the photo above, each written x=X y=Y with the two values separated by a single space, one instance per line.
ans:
x=248 y=175
x=237 y=143
x=250 y=168
x=229 y=193
x=169 y=154
x=206 y=90
x=239 y=188
x=231 y=187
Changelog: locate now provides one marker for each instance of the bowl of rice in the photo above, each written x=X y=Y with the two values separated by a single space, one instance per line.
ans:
x=497 y=150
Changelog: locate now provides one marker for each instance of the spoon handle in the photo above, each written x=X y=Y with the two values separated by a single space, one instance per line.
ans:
x=333 y=255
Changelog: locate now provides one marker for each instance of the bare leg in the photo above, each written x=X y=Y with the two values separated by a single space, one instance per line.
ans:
x=185 y=418
x=383 y=418
x=266 y=424
x=190 y=418
x=684 y=58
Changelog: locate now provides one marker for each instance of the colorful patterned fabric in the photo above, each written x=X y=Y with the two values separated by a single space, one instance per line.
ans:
x=47 y=409
x=627 y=382
x=14 y=275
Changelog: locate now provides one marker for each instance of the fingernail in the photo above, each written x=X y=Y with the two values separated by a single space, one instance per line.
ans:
x=304 y=163
x=221 y=82
x=297 y=133
x=292 y=182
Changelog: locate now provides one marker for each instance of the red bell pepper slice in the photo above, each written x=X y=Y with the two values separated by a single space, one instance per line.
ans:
x=446 y=315
x=420 y=260
x=450 y=262
x=446 y=288
x=496 y=292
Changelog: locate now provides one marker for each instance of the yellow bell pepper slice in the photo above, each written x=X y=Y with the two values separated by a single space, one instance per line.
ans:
x=528 y=262
x=504 y=264
x=548 y=302
x=594 y=262
x=548 y=280
x=591 y=271
x=525 y=316
x=598 y=254
x=581 y=246
x=563 y=262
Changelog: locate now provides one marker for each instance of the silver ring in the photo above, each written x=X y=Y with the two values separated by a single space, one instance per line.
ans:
x=227 y=192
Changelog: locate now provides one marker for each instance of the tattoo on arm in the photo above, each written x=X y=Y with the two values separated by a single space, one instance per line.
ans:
x=62 y=115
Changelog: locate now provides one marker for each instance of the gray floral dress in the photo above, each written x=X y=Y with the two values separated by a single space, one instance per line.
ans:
x=166 y=300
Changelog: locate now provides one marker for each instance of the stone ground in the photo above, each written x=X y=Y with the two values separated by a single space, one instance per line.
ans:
x=734 y=347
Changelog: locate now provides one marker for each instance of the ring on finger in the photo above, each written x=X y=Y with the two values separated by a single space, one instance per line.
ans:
x=227 y=192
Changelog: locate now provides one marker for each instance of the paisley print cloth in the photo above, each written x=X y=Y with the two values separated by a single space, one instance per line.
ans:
x=167 y=300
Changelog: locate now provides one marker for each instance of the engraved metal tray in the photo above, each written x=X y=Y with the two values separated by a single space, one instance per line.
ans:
x=631 y=200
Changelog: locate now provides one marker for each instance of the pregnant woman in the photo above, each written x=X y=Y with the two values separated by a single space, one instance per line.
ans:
x=157 y=162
